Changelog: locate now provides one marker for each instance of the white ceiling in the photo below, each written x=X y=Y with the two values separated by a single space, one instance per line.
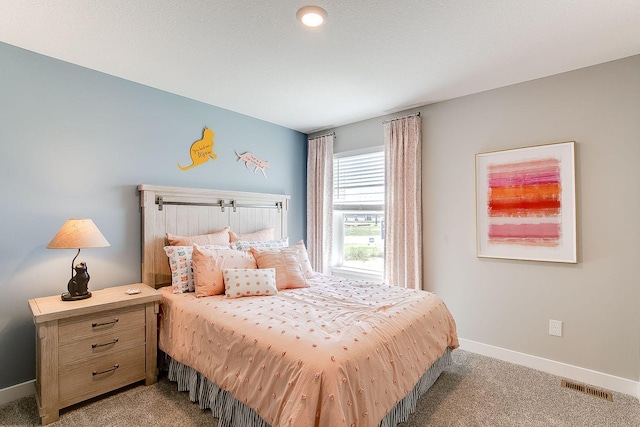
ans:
x=373 y=57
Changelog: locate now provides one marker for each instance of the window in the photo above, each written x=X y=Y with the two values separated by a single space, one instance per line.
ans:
x=358 y=212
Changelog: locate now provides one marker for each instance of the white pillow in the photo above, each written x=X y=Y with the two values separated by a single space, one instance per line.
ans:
x=247 y=282
x=245 y=245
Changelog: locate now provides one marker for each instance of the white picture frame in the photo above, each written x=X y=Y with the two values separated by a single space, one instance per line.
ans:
x=526 y=203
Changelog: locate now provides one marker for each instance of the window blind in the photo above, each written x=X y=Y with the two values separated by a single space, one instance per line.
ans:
x=358 y=182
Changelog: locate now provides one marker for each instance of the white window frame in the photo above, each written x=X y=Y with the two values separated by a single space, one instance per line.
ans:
x=337 y=260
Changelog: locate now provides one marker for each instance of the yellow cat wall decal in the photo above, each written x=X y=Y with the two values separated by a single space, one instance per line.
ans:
x=201 y=150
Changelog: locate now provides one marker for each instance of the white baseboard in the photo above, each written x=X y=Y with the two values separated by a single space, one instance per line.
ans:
x=17 y=391
x=583 y=375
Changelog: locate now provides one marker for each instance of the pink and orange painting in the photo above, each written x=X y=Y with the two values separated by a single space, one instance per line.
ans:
x=526 y=203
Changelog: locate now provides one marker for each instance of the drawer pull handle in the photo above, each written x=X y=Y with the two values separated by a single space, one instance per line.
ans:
x=115 y=320
x=116 y=366
x=113 y=341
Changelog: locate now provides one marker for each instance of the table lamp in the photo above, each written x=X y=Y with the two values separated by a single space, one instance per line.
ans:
x=78 y=234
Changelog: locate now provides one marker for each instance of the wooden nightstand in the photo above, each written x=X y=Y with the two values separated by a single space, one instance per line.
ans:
x=89 y=347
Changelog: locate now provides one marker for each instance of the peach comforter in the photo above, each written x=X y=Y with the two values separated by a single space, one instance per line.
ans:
x=339 y=353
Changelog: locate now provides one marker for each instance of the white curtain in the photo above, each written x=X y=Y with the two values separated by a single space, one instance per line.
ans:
x=403 y=202
x=320 y=202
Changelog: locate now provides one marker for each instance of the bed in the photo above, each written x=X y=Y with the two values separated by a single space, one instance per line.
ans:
x=338 y=352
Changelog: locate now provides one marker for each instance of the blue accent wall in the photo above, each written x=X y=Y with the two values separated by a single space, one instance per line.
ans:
x=76 y=143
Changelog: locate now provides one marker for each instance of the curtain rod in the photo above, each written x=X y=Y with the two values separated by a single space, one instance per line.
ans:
x=402 y=117
x=320 y=136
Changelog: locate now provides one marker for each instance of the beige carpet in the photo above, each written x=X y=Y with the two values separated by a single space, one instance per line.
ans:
x=475 y=391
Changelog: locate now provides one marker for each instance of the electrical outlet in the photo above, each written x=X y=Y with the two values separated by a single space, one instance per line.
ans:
x=555 y=328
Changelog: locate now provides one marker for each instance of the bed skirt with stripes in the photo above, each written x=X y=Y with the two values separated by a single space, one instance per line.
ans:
x=233 y=413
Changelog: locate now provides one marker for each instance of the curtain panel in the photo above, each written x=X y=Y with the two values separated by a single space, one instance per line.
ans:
x=403 y=202
x=320 y=202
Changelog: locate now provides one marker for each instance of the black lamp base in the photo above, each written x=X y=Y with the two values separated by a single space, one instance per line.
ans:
x=68 y=297
x=78 y=284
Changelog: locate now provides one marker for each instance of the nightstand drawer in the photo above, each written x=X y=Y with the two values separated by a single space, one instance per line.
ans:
x=100 y=323
x=80 y=381
x=101 y=344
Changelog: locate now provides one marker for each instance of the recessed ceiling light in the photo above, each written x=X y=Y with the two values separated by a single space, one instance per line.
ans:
x=312 y=16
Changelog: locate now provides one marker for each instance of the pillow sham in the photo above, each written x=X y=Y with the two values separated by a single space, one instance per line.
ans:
x=291 y=264
x=244 y=245
x=246 y=282
x=258 y=236
x=181 y=268
x=208 y=264
x=220 y=237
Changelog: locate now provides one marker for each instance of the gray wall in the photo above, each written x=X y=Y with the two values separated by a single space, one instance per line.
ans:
x=76 y=143
x=508 y=303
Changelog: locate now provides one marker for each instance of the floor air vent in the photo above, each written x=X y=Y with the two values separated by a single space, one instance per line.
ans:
x=586 y=389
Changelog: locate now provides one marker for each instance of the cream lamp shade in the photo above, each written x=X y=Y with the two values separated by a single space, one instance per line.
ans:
x=78 y=234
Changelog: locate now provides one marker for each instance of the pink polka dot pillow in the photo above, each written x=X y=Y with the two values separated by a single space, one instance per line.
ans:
x=247 y=282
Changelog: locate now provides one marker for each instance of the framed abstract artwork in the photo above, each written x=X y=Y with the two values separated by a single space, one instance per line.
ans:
x=526 y=203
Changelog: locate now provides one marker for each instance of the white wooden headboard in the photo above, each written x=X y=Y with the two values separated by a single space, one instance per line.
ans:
x=193 y=211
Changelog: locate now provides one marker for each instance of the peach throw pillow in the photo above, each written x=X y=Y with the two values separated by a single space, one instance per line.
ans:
x=291 y=264
x=180 y=264
x=257 y=236
x=208 y=265
x=220 y=237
